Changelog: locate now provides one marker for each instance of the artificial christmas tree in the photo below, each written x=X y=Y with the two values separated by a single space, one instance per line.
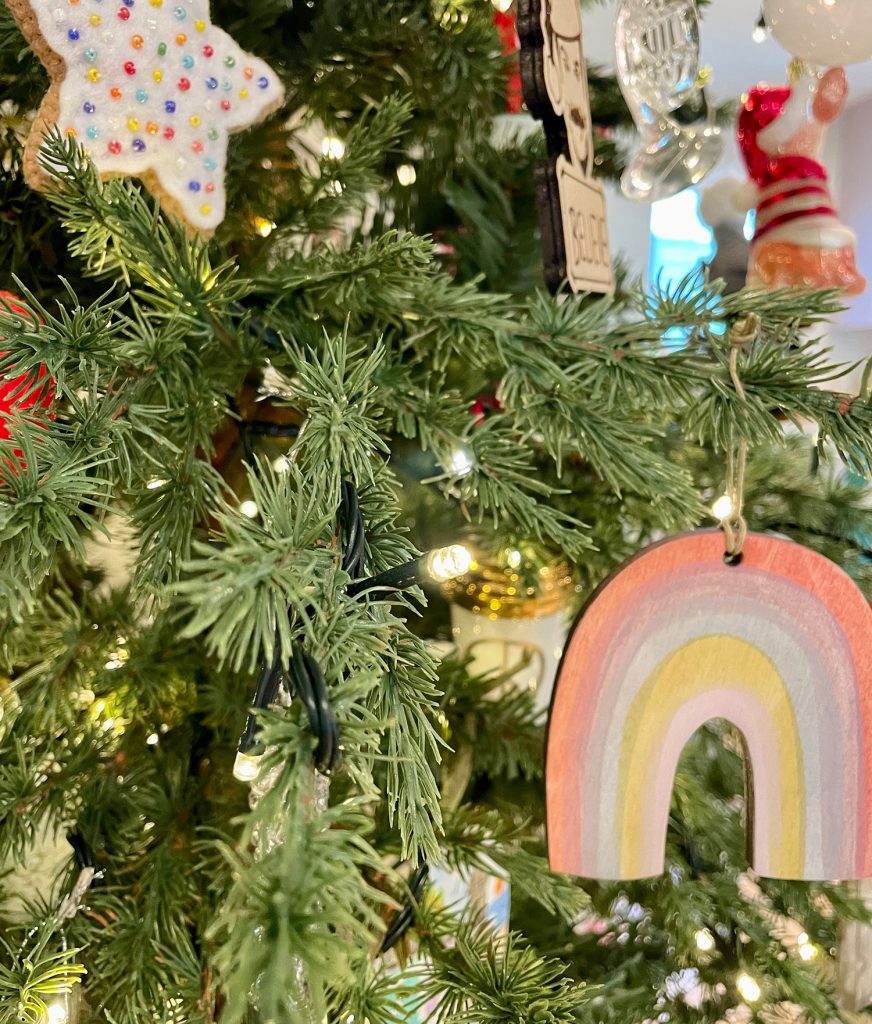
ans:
x=339 y=308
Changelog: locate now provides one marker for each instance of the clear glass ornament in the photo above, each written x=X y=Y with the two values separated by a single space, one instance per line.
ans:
x=300 y=1006
x=657 y=48
x=657 y=43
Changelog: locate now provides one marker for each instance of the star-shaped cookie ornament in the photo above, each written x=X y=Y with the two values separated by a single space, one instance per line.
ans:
x=150 y=88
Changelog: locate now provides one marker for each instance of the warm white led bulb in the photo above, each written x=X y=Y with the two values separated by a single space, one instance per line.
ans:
x=749 y=989
x=723 y=507
x=807 y=951
x=333 y=147
x=246 y=767
x=249 y=509
x=263 y=226
x=407 y=175
x=445 y=564
x=705 y=940
x=461 y=462
x=56 y=1013
x=760 y=35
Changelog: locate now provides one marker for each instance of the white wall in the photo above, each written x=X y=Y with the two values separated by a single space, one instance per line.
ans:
x=850 y=146
x=629 y=231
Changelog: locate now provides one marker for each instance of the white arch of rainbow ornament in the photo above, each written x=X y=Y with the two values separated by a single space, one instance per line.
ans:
x=780 y=646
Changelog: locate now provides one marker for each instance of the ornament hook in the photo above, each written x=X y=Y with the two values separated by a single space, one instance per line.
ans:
x=742 y=334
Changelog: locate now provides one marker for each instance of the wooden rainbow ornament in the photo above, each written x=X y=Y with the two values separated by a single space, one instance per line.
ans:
x=779 y=645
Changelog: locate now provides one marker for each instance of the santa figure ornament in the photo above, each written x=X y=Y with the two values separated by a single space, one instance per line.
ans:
x=799 y=240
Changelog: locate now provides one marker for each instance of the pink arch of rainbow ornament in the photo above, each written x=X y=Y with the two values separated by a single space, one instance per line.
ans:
x=781 y=646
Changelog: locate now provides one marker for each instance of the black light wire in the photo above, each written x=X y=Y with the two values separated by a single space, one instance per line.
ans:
x=303 y=673
x=405 y=916
x=82 y=852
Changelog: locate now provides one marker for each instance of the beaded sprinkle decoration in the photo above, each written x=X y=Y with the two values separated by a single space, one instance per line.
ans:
x=150 y=88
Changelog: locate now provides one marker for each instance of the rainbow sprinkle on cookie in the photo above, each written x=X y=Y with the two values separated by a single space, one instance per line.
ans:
x=151 y=88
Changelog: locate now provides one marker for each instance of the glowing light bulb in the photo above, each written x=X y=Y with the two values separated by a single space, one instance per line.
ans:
x=155 y=483
x=749 y=989
x=263 y=226
x=705 y=940
x=153 y=739
x=333 y=147
x=56 y=1013
x=807 y=951
x=723 y=507
x=760 y=35
x=445 y=564
x=246 y=767
x=282 y=464
x=248 y=509
x=513 y=559
x=461 y=462
x=407 y=175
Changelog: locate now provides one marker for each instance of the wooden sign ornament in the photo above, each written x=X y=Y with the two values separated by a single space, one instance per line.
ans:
x=779 y=645
x=572 y=205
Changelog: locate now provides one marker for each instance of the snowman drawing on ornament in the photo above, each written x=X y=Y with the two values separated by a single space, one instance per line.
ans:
x=799 y=240
x=566 y=79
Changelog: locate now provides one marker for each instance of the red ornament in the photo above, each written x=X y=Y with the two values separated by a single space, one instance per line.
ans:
x=507 y=27
x=20 y=393
x=129 y=67
x=483 y=407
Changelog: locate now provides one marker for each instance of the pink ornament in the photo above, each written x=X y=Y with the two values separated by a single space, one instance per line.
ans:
x=831 y=96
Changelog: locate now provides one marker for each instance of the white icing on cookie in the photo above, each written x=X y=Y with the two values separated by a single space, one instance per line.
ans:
x=152 y=85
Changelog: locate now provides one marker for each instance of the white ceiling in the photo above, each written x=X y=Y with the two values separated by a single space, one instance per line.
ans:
x=736 y=60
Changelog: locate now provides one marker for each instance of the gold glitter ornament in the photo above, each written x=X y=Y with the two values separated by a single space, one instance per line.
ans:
x=510 y=613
